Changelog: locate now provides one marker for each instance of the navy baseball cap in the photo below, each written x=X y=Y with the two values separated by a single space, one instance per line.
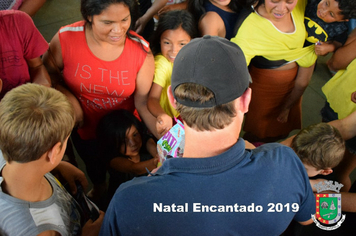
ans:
x=215 y=63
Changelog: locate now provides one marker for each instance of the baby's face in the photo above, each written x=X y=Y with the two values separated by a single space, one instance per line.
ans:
x=329 y=11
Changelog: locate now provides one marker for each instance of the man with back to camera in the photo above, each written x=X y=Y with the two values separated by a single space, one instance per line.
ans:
x=218 y=187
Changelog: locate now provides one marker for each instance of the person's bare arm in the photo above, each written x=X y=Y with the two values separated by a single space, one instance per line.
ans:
x=348 y=201
x=153 y=10
x=344 y=55
x=301 y=83
x=346 y=126
x=163 y=121
x=212 y=24
x=31 y=6
x=49 y=233
x=38 y=72
x=151 y=147
x=70 y=173
x=53 y=62
x=143 y=85
x=308 y=222
x=171 y=7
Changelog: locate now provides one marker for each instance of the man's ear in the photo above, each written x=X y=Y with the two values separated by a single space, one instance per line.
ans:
x=171 y=97
x=327 y=171
x=245 y=100
x=52 y=154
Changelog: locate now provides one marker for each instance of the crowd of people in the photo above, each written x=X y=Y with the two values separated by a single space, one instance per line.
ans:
x=110 y=86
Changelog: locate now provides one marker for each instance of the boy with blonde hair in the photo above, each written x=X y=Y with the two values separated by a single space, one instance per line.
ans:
x=35 y=123
x=320 y=147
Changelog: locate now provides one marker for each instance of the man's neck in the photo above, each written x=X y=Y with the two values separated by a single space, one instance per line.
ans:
x=200 y=144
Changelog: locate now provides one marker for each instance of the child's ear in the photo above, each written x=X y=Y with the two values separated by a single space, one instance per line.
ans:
x=327 y=171
x=171 y=97
x=53 y=153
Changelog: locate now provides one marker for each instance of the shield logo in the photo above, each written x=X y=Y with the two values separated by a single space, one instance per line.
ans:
x=328 y=208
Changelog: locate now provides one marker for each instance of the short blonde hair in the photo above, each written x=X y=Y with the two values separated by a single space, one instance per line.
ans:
x=210 y=118
x=33 y=118
x=320 y=145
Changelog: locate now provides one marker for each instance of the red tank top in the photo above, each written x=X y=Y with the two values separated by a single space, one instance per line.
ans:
x=100 y=86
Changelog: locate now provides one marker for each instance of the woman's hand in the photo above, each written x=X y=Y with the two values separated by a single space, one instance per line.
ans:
x=283 y=116
x=140 y=25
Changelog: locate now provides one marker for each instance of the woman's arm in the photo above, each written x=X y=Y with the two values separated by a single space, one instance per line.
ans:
x=153 y=10
x=53 y=61
x=163 y=121
x=344 y=55
x=212 y=24
x=171 y=7
x=31 y=6
x=301 y=82
x=143 y=86
x=346 y=126
x=38 y=72
x=151 y=147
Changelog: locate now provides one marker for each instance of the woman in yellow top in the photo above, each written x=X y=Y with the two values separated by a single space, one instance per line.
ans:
x=272 y=38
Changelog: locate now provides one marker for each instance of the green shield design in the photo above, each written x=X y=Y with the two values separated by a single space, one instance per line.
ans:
x=328 y=207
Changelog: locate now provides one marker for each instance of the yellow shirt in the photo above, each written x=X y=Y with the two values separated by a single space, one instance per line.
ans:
x=257 y=36
x=339 y=88
x=163 y=74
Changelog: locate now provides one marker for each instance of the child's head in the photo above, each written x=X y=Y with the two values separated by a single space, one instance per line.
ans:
x=336 y=10
x=174 y=30
x=320 y=147
x=33 y=119
x=120 y=133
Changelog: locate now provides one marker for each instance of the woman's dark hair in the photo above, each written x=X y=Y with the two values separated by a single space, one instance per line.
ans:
x=111 y=131
x=90 y=8
x=196 y=7
x=172 y=20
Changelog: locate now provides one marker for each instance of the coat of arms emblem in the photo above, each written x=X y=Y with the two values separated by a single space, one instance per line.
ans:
x=328 y=206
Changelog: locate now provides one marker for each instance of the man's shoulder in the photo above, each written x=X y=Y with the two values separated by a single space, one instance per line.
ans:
x=275 y=152
x=273 y=147
x=137 y=181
